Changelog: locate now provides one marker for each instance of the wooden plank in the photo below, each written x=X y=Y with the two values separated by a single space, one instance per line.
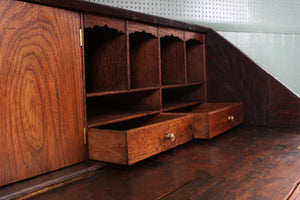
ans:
x=49 y=181
x=108 y=146
x=267 y=170
x=155 y=177
x=41 y=108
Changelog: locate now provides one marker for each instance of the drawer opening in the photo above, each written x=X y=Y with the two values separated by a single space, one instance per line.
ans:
x=205 y=108
x=140 y=122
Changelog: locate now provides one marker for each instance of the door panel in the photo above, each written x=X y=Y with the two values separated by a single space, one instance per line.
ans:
x=41 y=90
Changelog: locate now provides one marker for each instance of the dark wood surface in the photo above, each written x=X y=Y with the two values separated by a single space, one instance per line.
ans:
x=245 y=163
x=105 y=56
x=41 y=89
x=283 y=106
x=195 y=61
x=232 y=76
x=144 y=69
x=49 y=181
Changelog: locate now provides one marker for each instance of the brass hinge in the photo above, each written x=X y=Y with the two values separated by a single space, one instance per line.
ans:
x=84 y=135
x=81 y=37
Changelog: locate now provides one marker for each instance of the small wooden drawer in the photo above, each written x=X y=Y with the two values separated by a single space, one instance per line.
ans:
x=212 y=119
x=132 y=141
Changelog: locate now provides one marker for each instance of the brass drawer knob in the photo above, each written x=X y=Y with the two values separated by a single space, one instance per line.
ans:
x=170 y=136
x=230 y=118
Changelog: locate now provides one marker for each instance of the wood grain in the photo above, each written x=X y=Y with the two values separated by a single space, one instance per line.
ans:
x=267 y=170
x=49 y=181
x=283 y=107
x=150 y=140
x=108 y=146
x=258 y=163
x=132 y=141
x=41 y=90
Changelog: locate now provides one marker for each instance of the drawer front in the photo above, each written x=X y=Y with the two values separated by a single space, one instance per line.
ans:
x=225 y=119
x=150 y=140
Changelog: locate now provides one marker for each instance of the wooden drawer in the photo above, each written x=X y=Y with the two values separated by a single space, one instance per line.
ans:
x=212 y=119
x=131 y=141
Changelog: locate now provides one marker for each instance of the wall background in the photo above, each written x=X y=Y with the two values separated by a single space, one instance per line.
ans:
x=268 y=31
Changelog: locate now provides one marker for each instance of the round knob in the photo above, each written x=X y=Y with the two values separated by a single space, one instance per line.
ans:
x=230 y=118
x=170 y=136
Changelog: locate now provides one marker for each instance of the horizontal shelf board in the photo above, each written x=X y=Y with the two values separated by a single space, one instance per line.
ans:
x=183 y=85
x=98 y=94
x=176 y=105
x=117 y=116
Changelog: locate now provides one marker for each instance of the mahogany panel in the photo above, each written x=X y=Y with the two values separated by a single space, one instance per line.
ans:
x=283 y=107
x=269 y=153
x=41 y=87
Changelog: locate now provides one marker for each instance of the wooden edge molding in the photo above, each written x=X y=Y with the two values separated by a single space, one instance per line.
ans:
x=94 y=8
x=50 y=181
